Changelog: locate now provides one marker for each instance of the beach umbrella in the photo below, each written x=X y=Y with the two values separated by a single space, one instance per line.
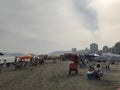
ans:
x=70 y=55
x=101 y=58
x=55 y=56
x=107 y=58
x=91 y=55
x=25 y=57
x=113 y=58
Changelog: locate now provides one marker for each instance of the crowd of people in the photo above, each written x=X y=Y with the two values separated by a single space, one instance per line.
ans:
x=19 y=63
x=95 y=70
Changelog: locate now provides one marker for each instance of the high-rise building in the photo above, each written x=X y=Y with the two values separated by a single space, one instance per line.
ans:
x=84 y=52
x=105 y=49
x=117 y=48
x=74 y=50
x=94 y=48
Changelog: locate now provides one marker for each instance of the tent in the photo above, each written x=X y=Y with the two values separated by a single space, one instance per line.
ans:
x=108 y=56
x=100 y=58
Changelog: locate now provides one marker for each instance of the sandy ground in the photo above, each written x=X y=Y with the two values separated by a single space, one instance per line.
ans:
x=54 y=76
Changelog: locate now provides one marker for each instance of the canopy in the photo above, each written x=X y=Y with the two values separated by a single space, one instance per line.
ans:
x=25 y=57
x=111 y=56
x=101 y=58
x=105 y=58
x=91 y=55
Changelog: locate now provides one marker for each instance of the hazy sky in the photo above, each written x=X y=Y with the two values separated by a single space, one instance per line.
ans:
x=42 y=26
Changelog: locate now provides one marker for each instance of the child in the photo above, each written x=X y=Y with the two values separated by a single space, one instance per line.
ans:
x=90 y=72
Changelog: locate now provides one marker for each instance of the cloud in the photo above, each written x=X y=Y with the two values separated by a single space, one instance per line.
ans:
x=87 y=14
x=44 y=26
x=109 y=19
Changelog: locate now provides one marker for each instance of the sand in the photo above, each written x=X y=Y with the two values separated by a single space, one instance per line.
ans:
x=54 y=76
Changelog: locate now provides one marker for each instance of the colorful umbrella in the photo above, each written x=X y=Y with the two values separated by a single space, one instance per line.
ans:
x=70 y=55
x=25 y=57
x=55 y=56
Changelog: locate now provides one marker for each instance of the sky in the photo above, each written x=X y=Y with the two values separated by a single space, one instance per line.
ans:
x=43 y=26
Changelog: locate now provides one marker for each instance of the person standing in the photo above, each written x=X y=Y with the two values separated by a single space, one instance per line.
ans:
x=107 y=67
x=15 y=59
x=4 y=64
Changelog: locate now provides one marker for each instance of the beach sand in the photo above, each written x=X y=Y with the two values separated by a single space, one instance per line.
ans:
x=54 y=76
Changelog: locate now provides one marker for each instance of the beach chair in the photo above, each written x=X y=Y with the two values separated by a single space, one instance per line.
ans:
x=73 y=67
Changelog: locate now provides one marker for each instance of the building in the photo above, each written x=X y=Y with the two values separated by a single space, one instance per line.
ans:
x=84 y=52
x=117 y=48
x=105 y=49
x=74 y=50
x=93 y=48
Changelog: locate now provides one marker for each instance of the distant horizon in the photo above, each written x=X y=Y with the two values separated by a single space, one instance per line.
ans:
x=55 y=50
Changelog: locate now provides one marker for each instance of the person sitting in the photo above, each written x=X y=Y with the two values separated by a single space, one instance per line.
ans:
x=90 y=72
x=102 y=70
x=97 y=73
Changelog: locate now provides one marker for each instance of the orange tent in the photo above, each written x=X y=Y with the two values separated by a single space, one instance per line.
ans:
x=25 y=57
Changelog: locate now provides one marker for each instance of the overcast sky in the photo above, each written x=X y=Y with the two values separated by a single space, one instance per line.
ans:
x=42 y=26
